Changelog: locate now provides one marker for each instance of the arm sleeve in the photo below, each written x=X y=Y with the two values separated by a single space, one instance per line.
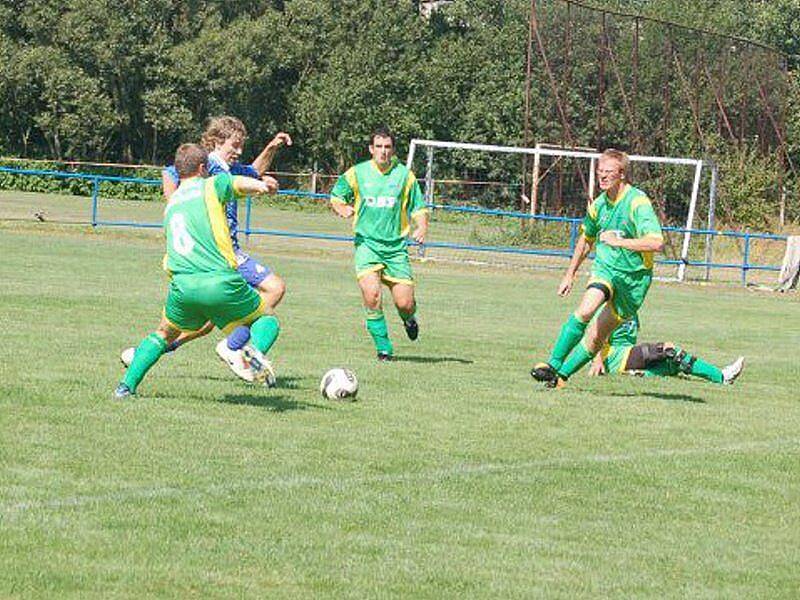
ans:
x=342 y=191
x=590 y=227
x=244 y=170
x=645 y=219
x=172 y=173
x=225 y=186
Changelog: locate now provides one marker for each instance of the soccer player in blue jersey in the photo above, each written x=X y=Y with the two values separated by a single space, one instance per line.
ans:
x=224 y=138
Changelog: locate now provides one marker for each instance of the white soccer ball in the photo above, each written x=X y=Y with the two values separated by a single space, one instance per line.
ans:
x=339 y=384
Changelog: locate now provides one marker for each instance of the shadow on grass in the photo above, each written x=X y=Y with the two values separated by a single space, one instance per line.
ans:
x=433 y=359
x=659 y=396
x=270 y=402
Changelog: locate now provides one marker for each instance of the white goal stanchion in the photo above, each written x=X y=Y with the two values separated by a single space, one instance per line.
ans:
x=541 y=150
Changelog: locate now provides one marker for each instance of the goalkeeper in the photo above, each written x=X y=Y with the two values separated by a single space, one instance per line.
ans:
x=623 y=222
x=204 y=283
x=382 y=197
x=623 y=355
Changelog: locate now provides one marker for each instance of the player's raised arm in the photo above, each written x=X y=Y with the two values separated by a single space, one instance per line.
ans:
x=264 y=160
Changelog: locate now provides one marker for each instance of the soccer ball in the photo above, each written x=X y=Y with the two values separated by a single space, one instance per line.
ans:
x=339 y=384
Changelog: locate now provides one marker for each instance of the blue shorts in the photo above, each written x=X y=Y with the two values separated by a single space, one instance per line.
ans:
x=252 y=271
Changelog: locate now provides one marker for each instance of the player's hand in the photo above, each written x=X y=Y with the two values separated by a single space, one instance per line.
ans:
x=281 y=139
x=610 y=238
x=565 y=287
x=270 y=184
x=419 y=234
x=597 y=367
x=343 y=210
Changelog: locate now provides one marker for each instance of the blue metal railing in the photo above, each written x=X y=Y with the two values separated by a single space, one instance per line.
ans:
x=574 y=224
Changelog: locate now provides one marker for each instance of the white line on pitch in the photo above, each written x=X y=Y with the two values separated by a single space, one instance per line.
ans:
x=466 y=470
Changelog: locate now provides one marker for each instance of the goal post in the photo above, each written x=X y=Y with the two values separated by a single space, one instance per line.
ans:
x=540 y=152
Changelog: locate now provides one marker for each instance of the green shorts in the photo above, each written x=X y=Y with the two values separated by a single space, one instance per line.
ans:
x=224 y=298
x=615 y=358
x=392 y=262
x=628 y=290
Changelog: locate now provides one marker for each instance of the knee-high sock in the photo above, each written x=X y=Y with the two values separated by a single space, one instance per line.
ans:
x=376 y=325
x=264 y=332
x=147 y=354
x=700 y=368
x=571 y=333
x=578 y=358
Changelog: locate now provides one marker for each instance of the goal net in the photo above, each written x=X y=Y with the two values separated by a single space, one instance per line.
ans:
x=523 y=206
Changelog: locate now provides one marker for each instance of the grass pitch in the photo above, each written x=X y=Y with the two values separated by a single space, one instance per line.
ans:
x=452 y=476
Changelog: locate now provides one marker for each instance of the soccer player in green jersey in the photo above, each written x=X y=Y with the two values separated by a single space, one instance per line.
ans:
x=204 y=283
x=622 y=354
x=382 y=197
x=622 y=221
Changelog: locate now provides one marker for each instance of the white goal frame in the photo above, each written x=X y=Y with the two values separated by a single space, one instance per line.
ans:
x=546 y=150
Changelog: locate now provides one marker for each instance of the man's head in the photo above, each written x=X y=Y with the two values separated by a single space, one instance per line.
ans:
x=381 y=146
x=224 y=135
x=612 y=167
x=190 y=161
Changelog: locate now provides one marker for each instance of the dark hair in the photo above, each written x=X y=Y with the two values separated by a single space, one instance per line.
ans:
x=381 y=131
x=189 y=158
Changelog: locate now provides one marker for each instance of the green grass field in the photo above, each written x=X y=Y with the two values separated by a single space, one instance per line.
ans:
x=452 y=476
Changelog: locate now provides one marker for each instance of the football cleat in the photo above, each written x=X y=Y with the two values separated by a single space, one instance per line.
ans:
x=544 y=373
x=385 y=357
x=557 y=383
x=260 y=367
x=235 y=360
x=412 y=328
x=732 y=371
x=126 y=358
x=123 y=392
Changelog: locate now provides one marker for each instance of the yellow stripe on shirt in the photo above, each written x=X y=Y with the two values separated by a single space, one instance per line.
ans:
x=405 y=226
x=352 y=181
x=219 y=224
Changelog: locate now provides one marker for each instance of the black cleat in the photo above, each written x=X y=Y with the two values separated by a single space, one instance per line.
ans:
x=545 y=373
x=123 y=392
x=412 y=328
x=385 y=357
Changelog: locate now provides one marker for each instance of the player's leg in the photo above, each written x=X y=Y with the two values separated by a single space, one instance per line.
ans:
x=146 y=355
x=369 y=266
x=590 y=345
x=268 y=283
x=398 y=276
x=572 y=330
x=371 y=294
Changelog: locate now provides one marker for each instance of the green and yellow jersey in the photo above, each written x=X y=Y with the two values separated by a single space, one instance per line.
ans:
x=198 y=238
x=384 y=201
x=631 y=216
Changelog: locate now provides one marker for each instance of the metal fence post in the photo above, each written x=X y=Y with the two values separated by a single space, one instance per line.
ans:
x=95 y=196
x=247 y=212
x=746 y=261
x=573 y=235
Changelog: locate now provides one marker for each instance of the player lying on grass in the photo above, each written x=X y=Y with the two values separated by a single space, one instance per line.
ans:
x=626 y=228
x=622 y=354
x=224 y=139
x=382 y=197
x=204 y=283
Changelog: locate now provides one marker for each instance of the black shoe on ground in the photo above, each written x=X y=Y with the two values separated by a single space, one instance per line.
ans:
x=544 y=373
x=123 y=392
x=384 y=357
x=412 y=328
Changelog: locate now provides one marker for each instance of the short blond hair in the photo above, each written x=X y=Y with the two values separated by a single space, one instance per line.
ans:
x=219 y=129
x=617 y=155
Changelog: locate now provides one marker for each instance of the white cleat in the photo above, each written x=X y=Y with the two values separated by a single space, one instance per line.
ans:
x=126 y=358
x=732 y=371
x=235 y=360
x=260 y=366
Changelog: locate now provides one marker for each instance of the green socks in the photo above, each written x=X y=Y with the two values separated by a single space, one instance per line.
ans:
x=571 y=333
x=147 y=354
x=376 y=325
x=579 y=357
x=264 y=332
x=706 y=371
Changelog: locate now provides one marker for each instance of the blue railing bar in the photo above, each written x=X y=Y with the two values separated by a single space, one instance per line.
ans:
x=66 y=175
x=294 y=234
x=130 y=224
